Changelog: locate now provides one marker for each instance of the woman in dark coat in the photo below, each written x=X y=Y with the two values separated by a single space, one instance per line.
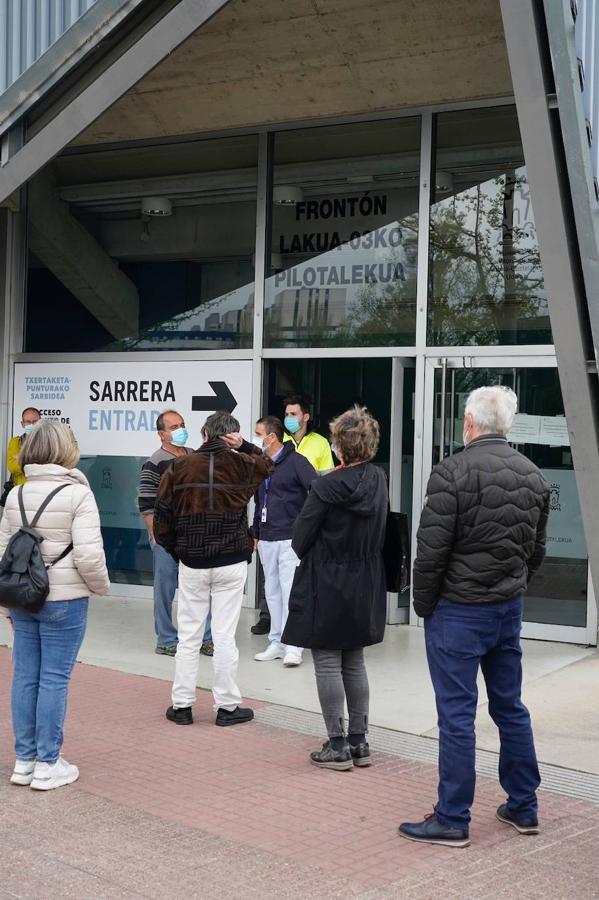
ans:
x=338 y=600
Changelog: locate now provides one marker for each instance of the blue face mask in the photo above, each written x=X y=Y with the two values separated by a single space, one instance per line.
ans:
x=179 y=437
x=292 y=424
x=27 y=429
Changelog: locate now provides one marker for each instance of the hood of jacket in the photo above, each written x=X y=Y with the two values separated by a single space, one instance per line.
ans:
x=51 y=472
x=353 y=488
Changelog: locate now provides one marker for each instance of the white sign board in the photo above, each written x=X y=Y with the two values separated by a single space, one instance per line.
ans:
x=549 y=430
x=112 y=407
x=554 y=431
x=525 y=430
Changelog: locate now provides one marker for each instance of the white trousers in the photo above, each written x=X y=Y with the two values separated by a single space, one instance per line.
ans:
x=200 y=590
x=279 y=563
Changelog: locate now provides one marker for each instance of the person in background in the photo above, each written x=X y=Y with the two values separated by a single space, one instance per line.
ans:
x=339 y=595
x=173 y=436
x=29 y=418
x=480 y=541
x=279 y=501
x=316 y=449
x=310 y=444
x=200 y=518
x=46 y=643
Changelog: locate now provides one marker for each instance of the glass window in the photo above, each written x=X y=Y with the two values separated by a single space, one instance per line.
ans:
x=114 y=481
x=144 y=249
x=486 y=282
x=343 y=256
x=558 y=592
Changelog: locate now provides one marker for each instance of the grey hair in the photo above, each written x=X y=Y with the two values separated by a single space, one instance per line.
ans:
x=492 y=408
x=220 y=423
x=49 y=443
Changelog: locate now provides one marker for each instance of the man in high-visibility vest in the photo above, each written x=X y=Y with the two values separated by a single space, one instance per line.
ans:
x=310 y=444
x=29 y=418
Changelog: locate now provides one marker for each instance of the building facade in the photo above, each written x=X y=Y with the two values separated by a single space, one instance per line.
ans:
x=295 y=200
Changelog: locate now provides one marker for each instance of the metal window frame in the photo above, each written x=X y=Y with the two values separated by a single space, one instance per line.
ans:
x=536 y=630
x=13 y=246
x=411 y=112
x=529 y=54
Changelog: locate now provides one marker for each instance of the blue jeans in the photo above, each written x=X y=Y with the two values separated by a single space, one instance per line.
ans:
x=166 y=577
x=45 y=648
x=460 y=638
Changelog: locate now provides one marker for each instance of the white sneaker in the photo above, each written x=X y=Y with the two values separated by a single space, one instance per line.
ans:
x=292 y=658
x=23 y=771
x=46 y=776
x=271 y=652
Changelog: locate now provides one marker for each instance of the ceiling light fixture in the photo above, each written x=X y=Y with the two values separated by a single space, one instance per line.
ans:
x=287 y=195
x=156 y=206
x=443 y=182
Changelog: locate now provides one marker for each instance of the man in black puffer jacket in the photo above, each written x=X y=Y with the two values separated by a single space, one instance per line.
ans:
x=480 y=541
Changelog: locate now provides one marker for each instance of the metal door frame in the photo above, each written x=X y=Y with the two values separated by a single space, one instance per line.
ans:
x=442 y=362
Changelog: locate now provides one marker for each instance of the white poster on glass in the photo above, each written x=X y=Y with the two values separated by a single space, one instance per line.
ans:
x=565 y=533
x=525 y=430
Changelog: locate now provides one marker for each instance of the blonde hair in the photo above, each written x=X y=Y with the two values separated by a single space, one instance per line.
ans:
x=356 y=434
x=49 y=443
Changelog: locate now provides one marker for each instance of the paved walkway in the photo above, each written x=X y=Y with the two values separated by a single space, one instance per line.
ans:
x=162 y=811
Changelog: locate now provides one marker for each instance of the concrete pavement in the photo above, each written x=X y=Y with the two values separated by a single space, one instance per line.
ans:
x=165 y=811
x=561 y=681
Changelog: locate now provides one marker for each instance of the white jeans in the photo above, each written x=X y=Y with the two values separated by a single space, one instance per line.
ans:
x=200 y=590
x=279 y=563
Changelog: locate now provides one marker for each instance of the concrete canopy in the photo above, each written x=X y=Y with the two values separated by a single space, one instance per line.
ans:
x=266 y=61
x=68 y=250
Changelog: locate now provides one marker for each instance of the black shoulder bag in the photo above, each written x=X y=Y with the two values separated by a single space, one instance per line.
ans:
x=396 y=553
x=24 y=582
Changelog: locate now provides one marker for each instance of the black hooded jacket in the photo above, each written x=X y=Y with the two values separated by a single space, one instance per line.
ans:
x=338 y=599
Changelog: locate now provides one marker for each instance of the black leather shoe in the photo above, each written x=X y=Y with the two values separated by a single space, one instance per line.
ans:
x=262 y=626
x=528 y=825
x=360 y=754
x=180 y=716
x=237 y=716
x=431 y=831
x=327 y=758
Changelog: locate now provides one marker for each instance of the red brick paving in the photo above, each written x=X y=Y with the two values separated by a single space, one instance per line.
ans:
x=253 y=784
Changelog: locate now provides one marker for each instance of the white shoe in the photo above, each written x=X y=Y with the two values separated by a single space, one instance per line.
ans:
x=292 y=658
x=271 y=652
x=46 y=776
x=23 y=771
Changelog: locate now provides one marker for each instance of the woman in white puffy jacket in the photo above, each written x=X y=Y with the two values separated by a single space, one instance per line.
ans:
x=46 y=643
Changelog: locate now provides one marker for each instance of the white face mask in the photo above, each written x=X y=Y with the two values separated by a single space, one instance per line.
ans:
x=465 y=434
x=259 y=442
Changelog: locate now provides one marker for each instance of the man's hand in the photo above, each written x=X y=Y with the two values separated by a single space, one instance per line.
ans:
x=233 y=440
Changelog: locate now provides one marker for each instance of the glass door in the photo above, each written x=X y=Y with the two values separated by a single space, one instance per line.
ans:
x=559 y=605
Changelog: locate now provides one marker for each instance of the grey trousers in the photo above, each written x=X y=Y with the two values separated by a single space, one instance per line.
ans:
x=340 y=676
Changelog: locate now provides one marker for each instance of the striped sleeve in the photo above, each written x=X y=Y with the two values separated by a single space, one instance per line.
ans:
x=149 y=482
